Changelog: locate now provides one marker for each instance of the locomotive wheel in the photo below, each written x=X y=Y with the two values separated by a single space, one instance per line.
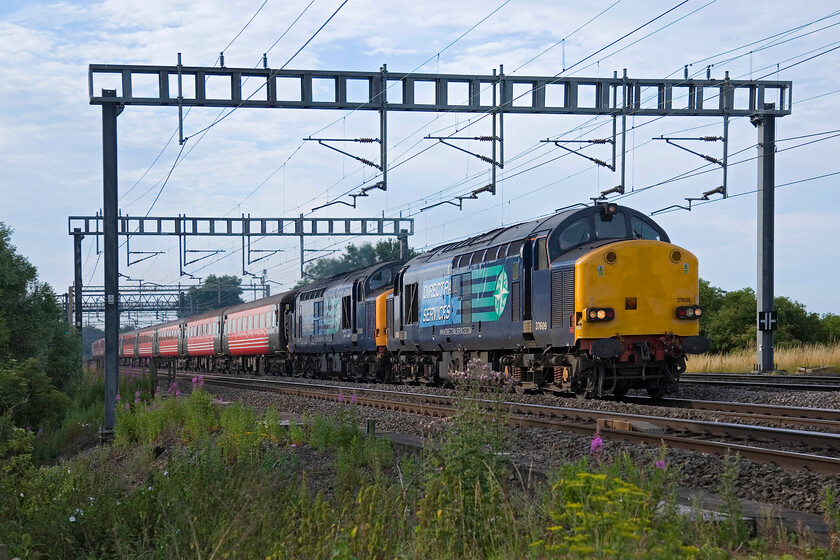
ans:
x=654 y=390
x=620 y=391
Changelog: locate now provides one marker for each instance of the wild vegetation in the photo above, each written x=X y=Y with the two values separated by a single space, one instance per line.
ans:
x=191 y=477
x=803 y=338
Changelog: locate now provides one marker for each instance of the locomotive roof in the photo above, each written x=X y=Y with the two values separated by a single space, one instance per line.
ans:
x=516 y=232
x=349 y=275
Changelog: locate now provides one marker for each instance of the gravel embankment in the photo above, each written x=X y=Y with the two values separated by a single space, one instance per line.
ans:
x=545 y=449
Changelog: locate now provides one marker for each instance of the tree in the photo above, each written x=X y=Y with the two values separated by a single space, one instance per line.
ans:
x=796 y=325
x=729 y=320
x=89 y=336
x=732 y=325
x=831 y=327
x=216 y=292
x=32 y=324
x=355 y=258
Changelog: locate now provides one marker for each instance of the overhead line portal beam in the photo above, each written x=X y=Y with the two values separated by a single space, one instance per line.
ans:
x=243 y=227
x=293 y=89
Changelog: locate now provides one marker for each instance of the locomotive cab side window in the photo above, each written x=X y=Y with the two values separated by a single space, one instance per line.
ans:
x=412 y=305
x=541 y=256
x=574 y=234
x=643 y=230
x=380 y=279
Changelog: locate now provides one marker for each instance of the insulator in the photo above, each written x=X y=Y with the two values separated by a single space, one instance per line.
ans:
x=599 y=141
x=487 y=159
x=484 y=138
x=366 y=140
x=367 y=162
x=599 y=162
x=711 y=159
x=711 y=138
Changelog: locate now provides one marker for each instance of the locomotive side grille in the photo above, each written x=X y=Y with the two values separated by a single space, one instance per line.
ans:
x=556 y=297
x=370 y=318
x=389 y=316
x=562 y=295
x=568 y=292
x=516 y=304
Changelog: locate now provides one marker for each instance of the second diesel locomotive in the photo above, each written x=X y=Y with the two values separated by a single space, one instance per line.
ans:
x=594 y=301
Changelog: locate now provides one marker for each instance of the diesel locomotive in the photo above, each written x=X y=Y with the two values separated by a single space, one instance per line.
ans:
x=592 y=301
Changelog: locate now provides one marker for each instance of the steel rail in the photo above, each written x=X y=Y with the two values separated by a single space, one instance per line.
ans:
x=762 y=384
x=797 y=412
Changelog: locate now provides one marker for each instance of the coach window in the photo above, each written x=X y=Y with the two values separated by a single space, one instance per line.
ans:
x=614 y=227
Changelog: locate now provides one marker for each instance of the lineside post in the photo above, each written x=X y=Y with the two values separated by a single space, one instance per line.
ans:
x=403 y=244
x=110 y=110
x=766 y=317
x=77 y=283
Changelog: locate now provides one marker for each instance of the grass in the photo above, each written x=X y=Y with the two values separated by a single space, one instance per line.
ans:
x=787 y=359
x=190 y=478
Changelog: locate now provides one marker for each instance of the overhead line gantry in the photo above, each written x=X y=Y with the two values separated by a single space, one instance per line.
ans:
x=551 y=95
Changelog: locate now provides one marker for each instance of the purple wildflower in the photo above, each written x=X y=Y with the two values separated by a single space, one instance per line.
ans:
x=597 y=444
x=177 y=393
x=200 y=380
x=341 y=397
x=127 y=407
x=118 y=397
x=353 y=399
x=660 y=464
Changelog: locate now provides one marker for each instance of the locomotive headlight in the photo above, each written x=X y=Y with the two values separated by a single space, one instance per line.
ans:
x=689 y=312
x=595 y=315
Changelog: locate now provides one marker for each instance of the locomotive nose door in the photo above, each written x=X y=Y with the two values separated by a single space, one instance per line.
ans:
x=527 y=277
x=535 y=285
x=358 y=298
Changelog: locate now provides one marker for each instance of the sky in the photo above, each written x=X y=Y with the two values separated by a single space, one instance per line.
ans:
x=256 y=162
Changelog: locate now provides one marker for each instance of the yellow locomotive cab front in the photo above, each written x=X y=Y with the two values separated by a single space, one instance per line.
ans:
x=636 y=287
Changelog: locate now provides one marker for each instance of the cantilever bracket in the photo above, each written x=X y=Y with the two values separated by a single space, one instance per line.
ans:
x=459 y=200
x=596 y=161
x=705 y=197
x=362 y=193
x=708 y=158
x=322 y=141
x=491 y=161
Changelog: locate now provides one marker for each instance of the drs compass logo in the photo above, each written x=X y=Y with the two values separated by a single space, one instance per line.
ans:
x=501 y=292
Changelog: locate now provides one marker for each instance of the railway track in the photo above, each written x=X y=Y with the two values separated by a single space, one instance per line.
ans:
x=826 y=383
x=828 y=418
x=709 y=437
